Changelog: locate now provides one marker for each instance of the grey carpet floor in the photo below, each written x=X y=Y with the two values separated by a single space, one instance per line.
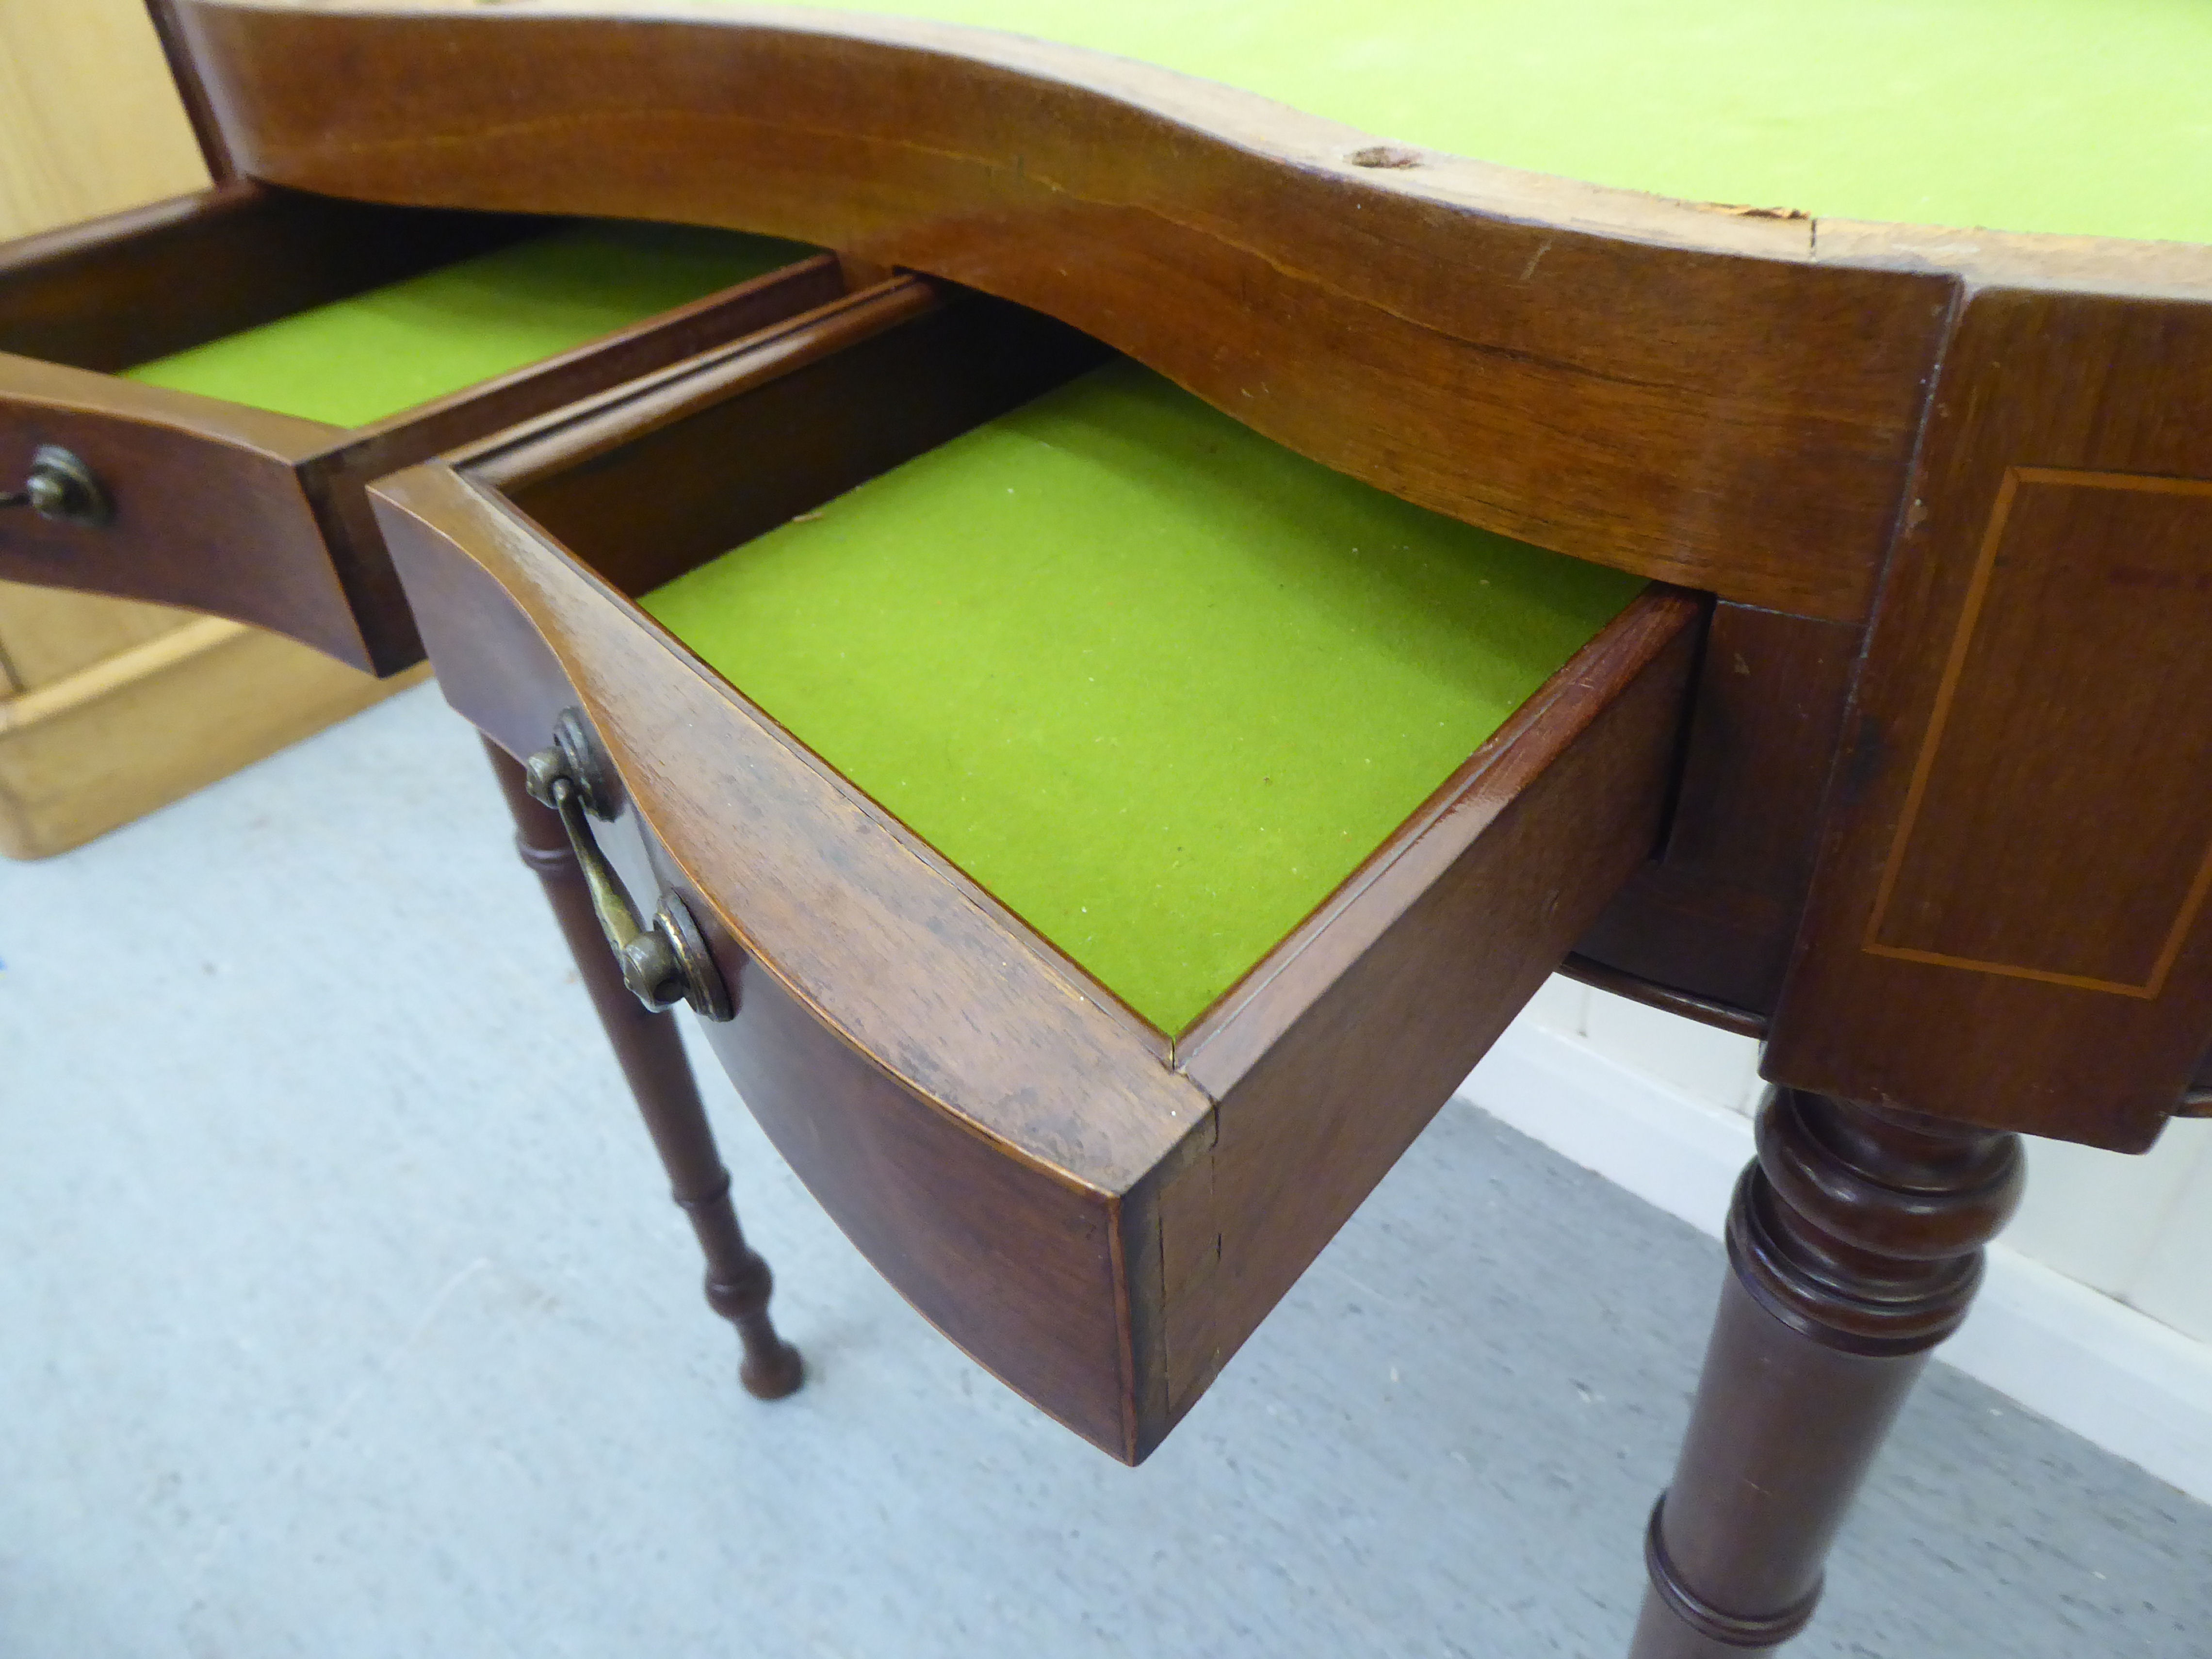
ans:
x=342 y=1313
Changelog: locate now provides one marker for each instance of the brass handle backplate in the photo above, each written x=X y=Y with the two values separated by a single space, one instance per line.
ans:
x=665 y=963
x=61 y=486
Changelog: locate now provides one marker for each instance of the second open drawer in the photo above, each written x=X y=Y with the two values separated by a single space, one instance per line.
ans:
x=154 y=490
x=1094 y=1170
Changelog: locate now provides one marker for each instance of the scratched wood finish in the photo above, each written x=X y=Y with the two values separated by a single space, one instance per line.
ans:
x=247 y=514
x=2008 y=925
x=968 y=1103
x=1690 y=394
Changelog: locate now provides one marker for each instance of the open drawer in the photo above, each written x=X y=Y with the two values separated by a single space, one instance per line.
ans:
x=175 y=446
x=1095 y=1168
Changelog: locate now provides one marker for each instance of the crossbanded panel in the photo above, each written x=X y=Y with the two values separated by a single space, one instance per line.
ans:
x=2037 y=737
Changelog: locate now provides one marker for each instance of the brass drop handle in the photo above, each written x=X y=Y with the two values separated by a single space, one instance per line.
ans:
x=61 y=486
x=662 y=963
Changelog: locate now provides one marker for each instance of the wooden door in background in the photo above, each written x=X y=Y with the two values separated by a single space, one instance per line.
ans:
x=90 y=123
x=110 y=709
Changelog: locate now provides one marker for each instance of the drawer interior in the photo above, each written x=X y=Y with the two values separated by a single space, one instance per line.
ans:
x=361 y=358
x=235 y=367
x=167 y=277
x=1118 y=836
x=1157 y=684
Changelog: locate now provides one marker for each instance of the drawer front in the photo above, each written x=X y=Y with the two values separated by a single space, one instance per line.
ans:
x=214 y=506
x=207 y=507
x=936 y=1166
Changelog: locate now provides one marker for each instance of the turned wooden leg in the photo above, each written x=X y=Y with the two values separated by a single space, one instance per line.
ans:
x=1854 y=1242
x=651 y=1056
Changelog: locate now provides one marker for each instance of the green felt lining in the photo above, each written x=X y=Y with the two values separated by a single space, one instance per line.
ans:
x=1156 y=682
x=2081 y=117
x=358 y=359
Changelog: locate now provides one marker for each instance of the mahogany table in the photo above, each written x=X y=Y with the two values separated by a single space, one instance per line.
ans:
x=1897 y=770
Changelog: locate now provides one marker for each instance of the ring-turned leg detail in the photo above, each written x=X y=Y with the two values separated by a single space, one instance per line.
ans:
x=1854 y=1242
x=650 y=1053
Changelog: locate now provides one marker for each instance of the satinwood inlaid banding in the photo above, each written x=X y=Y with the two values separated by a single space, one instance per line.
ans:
x=2045 y=670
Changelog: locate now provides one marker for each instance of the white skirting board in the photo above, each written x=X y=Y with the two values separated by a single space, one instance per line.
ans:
x=2117 y=1378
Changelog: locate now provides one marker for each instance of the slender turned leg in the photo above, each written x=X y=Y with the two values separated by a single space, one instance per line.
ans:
x=1856 y=1244
x=651 y=1056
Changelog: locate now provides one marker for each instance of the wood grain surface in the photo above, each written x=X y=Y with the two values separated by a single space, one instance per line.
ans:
x=90 y=121
x=210 y=509
x=1690 y=394
x=1724 y=400
x=1951 y=491
x=1335 y=1054
x=2008 y=927
x=130 y=287
x=89 y=127
x=1024 y=1161
x=110 y=707
x=977 y=1124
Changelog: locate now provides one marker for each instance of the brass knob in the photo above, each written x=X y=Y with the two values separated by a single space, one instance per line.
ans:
x=61 y=486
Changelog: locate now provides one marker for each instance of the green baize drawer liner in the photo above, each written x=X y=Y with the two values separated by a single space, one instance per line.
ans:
x=1156 y=683
x=358 y=359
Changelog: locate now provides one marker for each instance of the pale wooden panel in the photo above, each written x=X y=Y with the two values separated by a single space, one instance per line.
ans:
x=139 y=729
x=90 y=122
x=48 y=633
